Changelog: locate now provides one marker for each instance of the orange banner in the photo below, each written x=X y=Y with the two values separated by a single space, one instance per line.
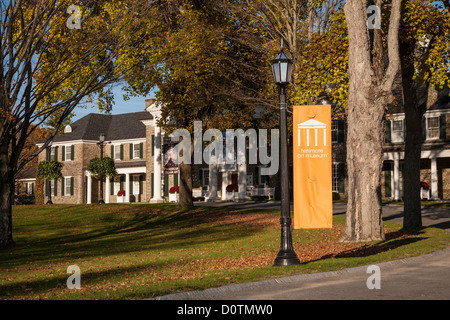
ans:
x=313 y=199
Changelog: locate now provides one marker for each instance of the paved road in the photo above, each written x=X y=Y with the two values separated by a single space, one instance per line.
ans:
x=423 y=277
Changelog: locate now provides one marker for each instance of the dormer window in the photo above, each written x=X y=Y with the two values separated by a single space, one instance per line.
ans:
x=68 y=129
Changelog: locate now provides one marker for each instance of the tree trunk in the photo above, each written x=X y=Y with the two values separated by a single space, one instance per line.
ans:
x=185 y=200
x=5 y=199
x=364 y=165
x=370 y=90
x=412 y=217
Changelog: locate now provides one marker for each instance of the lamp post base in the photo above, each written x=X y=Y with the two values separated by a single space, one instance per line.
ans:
x=286 y=258
x=101 y=202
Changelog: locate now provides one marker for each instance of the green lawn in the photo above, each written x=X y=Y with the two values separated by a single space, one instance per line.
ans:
x=141 y=251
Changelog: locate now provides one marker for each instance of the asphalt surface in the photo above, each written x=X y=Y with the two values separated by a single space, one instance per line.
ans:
x=418 y=278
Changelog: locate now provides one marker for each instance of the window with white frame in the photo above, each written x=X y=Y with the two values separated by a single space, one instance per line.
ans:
x=68 y=155
x=135 y=184
x=334 y=131
x=205 y=178
x=52 y=187
x=52 y=153
x=433 y=128
x=397 y=130
x=30 y=188
x=67 y=186
x=117 y=152
x=335 y=177
x=136 y=150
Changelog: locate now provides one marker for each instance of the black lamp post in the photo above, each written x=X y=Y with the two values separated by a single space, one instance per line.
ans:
x=282 y=70
x=101 y=143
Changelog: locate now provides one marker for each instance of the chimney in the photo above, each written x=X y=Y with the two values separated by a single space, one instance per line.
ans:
x=149 y=102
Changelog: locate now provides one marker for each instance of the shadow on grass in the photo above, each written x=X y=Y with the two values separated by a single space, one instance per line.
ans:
x=119 y=232
x=393 y=240
x=94 y=282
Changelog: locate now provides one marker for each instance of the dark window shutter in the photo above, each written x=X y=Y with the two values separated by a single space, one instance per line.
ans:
x=341 y=177
x=175 y=179
x=47 y=154
x=166 y=185
x=63 y=183
x=111 y=182
x=32 y=188
x=141 y=184
x=153 y=144
x=112 y=152
x=131 y=185
x=55 y=189
x=71 y=186
x=56 y=154
x=387 y=132
x=131 y=151
x=72 y=152
x=63 y=154
x=341 y=130
x=141 y=150
x=387 y=183
x=153 y=186
x=121 y=152
x=442 y=127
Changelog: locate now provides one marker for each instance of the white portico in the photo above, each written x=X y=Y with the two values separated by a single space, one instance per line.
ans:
x=155 y=110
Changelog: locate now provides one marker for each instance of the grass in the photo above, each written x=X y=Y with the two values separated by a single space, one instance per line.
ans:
x=141 y=251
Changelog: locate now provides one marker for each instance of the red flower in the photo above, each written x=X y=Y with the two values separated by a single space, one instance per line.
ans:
x=121 y=193
x=174 y=189
x=232 y=187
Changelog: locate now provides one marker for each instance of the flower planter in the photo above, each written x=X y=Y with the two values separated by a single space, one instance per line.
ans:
x=231 y=195
x=120 y=199
x=173 y=197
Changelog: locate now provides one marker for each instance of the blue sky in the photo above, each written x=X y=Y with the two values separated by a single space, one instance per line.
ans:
x=135 y=104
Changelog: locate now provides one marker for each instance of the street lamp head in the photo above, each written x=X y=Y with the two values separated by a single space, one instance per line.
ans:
x=102 y=137
x=282 y=69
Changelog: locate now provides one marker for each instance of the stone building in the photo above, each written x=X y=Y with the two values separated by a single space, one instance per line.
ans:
x=145 y=172
x=435 y=155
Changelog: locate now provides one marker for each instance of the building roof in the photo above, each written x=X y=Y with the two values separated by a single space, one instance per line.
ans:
x=27 y=173
x=116 y=127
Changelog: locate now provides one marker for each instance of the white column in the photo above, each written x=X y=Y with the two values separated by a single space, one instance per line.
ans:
x=89 y=188
x=212 y=195
x=157 y=168
x=396 y=178
x=242 y=181
x=434 y=178
x=224 y=185
x=127 y=187
x=108 y=189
